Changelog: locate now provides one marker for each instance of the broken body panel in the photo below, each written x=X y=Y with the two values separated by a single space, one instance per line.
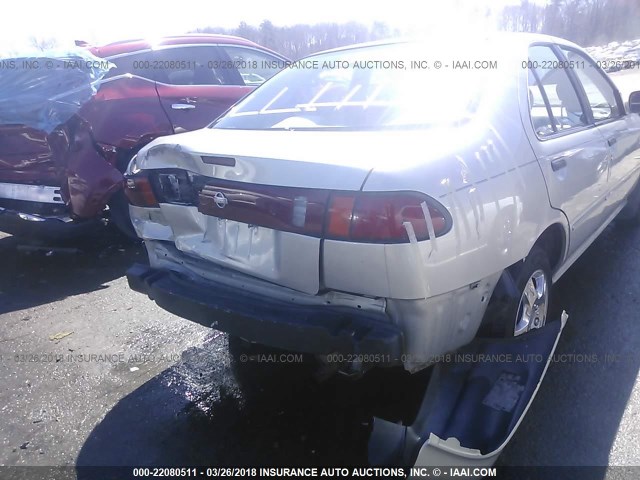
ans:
x=475 y=401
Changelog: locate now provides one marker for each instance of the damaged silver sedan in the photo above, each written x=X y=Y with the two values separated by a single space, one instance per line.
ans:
x=388 y=204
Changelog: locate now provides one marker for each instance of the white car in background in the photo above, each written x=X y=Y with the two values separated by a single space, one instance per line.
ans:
x=387 y=204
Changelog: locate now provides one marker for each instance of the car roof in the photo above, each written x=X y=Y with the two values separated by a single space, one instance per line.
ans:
x=526 y=39
x=141 y=44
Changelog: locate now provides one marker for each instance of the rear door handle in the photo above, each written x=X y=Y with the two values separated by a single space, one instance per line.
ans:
x=612 y=141
x=182 y=106
x=558 y=162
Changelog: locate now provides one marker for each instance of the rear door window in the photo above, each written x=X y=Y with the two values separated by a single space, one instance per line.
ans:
x=539 y=110
x=139 y=64
x=190 y=65
x=602 y=97
x=562 y=101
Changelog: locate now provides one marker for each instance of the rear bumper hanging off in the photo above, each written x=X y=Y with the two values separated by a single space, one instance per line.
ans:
x=301 y=328
x=473 y=405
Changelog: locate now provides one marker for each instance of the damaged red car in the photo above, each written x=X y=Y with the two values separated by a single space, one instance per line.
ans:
x=70 y=122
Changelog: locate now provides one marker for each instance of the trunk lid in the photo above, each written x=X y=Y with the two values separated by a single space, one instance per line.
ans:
x=308 y=159
x=237 y=171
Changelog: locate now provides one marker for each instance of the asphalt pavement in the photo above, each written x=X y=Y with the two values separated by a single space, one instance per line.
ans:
x=96 y=374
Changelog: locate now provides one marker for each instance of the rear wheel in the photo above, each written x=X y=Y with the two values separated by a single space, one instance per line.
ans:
x=533 y=305
x=520 y=301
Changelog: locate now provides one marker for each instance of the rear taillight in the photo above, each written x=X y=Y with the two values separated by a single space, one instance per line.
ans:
x=367 y=217
x=383 y=217
x=139 y=192
x=286 y=209
x=339 y=215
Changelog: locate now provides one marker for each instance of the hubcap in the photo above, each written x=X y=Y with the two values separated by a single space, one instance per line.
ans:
x=532 y=310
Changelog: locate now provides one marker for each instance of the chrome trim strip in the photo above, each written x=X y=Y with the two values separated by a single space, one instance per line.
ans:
x=31 y=193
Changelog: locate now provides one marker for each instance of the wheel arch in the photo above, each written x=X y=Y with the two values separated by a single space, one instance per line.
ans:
x=554 y=241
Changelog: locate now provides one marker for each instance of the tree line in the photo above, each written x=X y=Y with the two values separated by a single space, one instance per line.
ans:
x=586 y=22
x=297 y=41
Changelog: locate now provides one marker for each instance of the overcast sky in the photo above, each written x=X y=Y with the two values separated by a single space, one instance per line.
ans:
x=110 y=20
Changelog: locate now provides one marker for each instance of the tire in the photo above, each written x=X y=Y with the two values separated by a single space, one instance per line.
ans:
x=520 y=301
x=119 y=215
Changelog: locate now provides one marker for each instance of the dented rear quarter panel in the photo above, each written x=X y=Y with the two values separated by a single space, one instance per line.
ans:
x=27 y=156
x=126 y=112
x=88 y=179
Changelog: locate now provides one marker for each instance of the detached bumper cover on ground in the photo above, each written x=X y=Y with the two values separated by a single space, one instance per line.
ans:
x=473 y=405
x=308 y=329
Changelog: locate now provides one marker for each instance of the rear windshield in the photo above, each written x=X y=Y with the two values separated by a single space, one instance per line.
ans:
x=388 y=86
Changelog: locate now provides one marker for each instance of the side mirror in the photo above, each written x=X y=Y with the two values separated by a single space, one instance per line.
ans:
x=634 y=102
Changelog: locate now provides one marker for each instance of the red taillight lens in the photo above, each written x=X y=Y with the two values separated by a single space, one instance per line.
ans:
x=138 y=190
x=380 y=217
x=373 y=217
x=286 y=209
x=340 y=213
